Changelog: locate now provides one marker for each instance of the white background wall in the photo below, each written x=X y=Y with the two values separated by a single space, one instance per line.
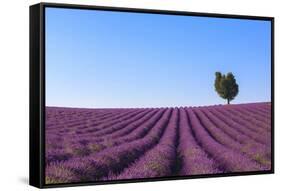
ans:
x=14 y=58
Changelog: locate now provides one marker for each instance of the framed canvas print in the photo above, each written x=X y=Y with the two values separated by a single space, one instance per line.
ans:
x=128 y=95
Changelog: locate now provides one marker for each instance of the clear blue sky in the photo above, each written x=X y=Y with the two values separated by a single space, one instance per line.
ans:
x=105 y=59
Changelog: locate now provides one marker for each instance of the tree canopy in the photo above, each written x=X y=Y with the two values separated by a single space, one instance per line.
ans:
x=226 y=86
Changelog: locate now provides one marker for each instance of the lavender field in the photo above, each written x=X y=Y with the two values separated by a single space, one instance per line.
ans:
x=110 y=144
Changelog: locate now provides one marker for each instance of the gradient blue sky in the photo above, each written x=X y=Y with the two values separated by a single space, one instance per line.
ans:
x=105 y=59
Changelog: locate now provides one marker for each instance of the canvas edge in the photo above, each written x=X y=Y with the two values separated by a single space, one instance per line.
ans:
x=35 y=96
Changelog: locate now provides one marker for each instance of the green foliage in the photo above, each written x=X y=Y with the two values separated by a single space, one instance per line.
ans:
x=226 y=86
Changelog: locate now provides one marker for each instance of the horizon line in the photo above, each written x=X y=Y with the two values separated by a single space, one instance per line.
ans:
x=70 y=107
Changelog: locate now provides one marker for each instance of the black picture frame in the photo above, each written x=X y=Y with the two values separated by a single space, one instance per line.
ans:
x=37 y=92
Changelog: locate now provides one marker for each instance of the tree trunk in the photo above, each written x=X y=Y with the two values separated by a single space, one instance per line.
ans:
x=227 y=101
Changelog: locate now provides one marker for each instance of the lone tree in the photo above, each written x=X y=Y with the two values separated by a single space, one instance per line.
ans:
x=226 y=86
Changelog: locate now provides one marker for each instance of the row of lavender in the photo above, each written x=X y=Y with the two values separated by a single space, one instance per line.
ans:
x=109 y=144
